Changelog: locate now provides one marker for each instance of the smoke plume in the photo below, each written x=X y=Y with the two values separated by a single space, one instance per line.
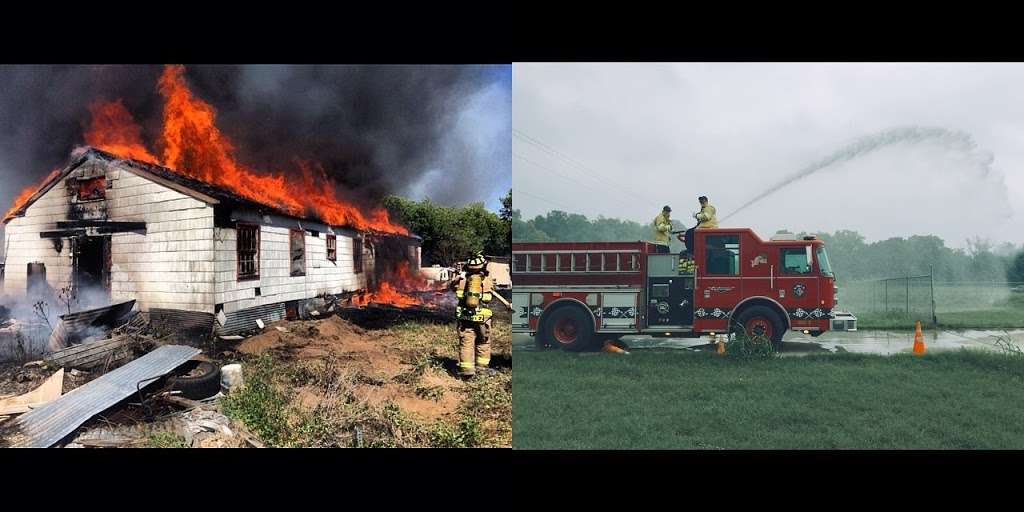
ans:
x=374 y=129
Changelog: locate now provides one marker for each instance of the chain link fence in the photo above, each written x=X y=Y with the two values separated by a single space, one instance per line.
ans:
x=921 y=297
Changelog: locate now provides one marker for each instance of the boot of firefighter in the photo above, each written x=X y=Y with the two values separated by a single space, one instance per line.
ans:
x=483 y=348
x=467 y=349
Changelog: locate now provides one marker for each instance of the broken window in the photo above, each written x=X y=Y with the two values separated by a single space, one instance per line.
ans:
x=248 y=249
x=297 y=249
x=92 y=188
x=357 y=254
x=332 y=247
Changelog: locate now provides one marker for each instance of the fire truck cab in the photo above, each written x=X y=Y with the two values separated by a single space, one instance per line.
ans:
x=575 y=294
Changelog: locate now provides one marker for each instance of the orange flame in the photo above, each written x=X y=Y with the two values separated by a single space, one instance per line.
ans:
x=26 y=193
x=114 y=130
x=385 y=294
x=388 y=290
x=194 y=146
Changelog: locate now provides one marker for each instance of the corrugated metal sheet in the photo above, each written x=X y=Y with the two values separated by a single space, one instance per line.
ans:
x=186 y=326
x=245 y=320
x=73 y=325
x=42 y=427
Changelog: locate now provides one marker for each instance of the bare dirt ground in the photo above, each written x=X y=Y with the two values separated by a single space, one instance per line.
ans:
x=322 y=383
x=341 y=385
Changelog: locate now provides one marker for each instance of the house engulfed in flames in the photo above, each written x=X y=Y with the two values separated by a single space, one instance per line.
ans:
x=185 y=250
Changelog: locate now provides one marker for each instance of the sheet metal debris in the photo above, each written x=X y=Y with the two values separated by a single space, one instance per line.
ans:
x=73 y=327
x=45 y=426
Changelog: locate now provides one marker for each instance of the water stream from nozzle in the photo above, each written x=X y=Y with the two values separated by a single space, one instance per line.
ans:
x=864 y=145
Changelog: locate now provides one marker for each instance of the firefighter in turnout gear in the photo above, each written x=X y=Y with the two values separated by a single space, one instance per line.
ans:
x=473 y=290
x=663 y=228
x=706 y=215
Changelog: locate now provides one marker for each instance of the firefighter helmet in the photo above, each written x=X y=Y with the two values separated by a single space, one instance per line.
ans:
x=477 y=261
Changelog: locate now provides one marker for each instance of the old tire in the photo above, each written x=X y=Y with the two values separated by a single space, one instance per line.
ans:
x=569 y=328
x=196 y=380
x=761 y=321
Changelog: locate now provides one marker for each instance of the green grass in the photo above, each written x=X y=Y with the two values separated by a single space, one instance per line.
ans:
x=165 y=439
x=956 y=307
x=686 y=400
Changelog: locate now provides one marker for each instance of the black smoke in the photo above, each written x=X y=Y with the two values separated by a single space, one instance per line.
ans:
x=375 y=129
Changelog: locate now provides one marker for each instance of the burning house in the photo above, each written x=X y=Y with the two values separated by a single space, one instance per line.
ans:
x=190 y=251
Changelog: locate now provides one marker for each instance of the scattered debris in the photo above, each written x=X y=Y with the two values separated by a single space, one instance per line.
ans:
x=49 y=391
x=231 y=377
x=197 y=380
x=93 y=353
x=260 y=324
x=50 y=423
x=78 y=326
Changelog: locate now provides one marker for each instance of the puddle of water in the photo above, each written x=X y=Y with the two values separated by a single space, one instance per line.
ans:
x=866 y=342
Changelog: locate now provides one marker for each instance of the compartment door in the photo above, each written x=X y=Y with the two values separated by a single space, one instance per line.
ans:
x=618 y=311
x=521 y=311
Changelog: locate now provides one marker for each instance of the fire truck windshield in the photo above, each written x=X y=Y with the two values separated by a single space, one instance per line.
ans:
x=823 y=264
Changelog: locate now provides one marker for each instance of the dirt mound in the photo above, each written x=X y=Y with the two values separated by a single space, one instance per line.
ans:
x=384 y=368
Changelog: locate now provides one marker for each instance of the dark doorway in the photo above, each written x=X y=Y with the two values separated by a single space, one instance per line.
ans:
x=92 y=266
x=36 y=283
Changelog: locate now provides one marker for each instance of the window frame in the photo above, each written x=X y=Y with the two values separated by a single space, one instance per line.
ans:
x=735 y=256
x=357 y=254
x=331 y=241
x=803 y=252
x=291 y=251
x=81 y=185
x=238 y=252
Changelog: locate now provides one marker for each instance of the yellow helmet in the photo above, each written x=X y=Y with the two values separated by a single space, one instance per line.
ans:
x=477 y=261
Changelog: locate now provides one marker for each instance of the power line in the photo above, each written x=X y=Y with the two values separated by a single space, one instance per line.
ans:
x=591 y=174
x=567 y=178
x=535 y=196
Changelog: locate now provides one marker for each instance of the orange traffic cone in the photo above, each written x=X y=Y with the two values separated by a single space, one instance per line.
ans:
x=918 y=339
x=611 y=347
x=720 y=345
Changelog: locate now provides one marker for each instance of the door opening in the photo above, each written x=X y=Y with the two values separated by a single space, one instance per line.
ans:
x=92 y=269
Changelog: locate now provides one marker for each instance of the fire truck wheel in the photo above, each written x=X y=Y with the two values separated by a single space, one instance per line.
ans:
x=569 y=328
x=761 y=321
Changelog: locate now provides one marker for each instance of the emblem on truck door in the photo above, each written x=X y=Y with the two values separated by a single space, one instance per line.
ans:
x=798 y=289
x=663 y=308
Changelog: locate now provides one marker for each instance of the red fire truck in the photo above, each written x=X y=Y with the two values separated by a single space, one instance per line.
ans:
x=575 y=294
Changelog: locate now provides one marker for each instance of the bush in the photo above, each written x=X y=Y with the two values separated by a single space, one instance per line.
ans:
x=743 y=347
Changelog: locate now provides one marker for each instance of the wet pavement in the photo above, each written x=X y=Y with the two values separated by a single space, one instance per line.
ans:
x=864 y=341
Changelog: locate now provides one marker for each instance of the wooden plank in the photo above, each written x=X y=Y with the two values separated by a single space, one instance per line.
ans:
x=48 y=391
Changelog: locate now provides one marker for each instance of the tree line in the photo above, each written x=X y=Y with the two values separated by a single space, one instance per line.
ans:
x=852 y=257
x=453 y=233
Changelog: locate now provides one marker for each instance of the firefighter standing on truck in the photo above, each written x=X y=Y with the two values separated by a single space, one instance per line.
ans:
x=663 y=228
x=473 y=291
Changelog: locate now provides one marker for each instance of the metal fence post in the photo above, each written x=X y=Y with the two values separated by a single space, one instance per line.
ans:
x=886 y=299
x=908 y=294
x=931 y=280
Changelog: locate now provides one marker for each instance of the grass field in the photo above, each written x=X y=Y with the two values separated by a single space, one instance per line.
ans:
x=956 y=307
x=686 y=400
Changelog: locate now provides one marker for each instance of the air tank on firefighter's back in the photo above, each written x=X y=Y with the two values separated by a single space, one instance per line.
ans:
x=475 y=289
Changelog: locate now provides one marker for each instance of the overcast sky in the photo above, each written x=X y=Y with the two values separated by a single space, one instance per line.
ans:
x=621 y=140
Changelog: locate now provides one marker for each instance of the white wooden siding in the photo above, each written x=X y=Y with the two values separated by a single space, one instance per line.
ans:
x=276 y=283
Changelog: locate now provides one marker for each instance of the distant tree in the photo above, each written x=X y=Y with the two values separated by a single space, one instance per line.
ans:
x=1015 y=272
x=451 y=233
x=506 y=207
